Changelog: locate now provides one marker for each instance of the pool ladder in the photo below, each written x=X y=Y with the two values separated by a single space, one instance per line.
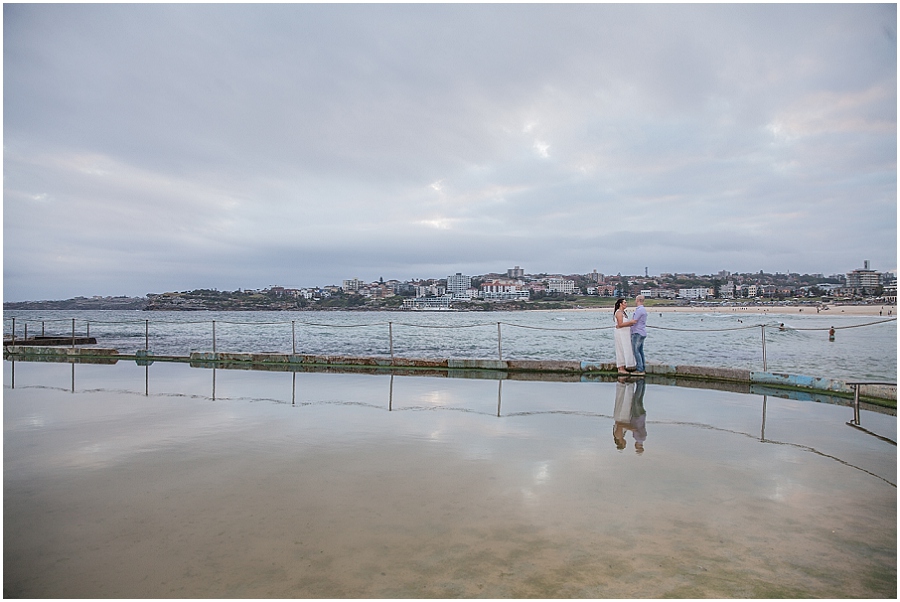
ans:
x=856 y=414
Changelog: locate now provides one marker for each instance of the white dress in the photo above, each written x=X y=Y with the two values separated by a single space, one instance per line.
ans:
x=624 y=400
x=624 y=351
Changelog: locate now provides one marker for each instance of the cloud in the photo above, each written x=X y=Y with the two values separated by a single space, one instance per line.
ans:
x=248 y=145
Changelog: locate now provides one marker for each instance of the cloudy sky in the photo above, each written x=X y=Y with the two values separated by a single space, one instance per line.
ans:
x=152 y=148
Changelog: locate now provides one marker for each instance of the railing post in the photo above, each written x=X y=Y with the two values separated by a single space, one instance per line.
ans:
x=42 y=329
x=499 y=343
x=763 y=327
x=73 y=335
x=856 y=404
x=26 y=331
x=293 y=338
x=214 y=350
x=13 y=331
x=762 y=433
x=88 y=335
x=146 y=335
x=391 y=339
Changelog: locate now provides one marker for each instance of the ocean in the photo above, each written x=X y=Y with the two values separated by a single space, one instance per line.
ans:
x=865 y=347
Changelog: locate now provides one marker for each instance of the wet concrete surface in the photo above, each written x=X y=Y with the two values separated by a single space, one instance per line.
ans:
x=334 y=486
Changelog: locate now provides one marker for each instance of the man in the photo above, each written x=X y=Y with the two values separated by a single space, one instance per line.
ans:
x=638 y=334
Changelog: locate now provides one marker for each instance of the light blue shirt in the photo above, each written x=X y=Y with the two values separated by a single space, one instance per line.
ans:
x=640 y=314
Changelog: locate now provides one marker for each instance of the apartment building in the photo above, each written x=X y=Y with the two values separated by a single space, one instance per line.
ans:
x=458 y=284
x=516 y=273
x=500 y=289
x=694 y=293
x=864 y=281
x=560 y=285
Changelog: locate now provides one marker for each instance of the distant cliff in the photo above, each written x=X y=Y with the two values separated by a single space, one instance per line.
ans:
x=82 y=303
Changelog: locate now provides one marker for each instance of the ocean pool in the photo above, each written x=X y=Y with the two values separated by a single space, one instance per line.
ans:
x=171 y=481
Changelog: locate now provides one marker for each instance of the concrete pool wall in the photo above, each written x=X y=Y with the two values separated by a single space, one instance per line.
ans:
x=879 y=394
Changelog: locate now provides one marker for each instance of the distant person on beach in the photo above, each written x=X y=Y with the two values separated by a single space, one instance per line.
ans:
x=638 y=334
x=831 y=334
x=622 y=337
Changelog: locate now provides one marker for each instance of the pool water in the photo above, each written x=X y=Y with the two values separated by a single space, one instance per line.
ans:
x=172 y=481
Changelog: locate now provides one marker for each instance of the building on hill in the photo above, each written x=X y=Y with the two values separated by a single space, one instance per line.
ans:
x=458 y=284
x=694 y=293
x=864 y=281
x=561 y=285
x=504 y=289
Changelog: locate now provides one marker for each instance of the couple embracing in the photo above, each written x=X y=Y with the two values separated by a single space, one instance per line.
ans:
x=629 y=336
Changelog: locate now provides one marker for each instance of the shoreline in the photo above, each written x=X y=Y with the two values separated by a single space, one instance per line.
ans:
x=878 y=311
x=887 y=311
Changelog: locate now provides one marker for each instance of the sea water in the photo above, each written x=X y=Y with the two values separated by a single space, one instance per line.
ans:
x=865 y=347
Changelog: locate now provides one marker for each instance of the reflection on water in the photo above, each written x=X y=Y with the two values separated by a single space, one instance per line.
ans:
x=629 y=413
x=171 y=481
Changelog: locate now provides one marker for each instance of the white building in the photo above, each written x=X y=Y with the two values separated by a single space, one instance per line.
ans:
x=428 y=303
x=352 y=285
x=431 y=290
x=458 y=284
x=559 y=285
x=864 y=281
x=658 y=293
x=694 y=293
x=500 y=289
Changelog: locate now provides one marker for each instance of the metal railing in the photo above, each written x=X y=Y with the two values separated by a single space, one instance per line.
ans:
x=390 y=328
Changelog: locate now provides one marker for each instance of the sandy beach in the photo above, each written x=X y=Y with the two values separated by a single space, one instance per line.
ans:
x=834 y=310
x=884 y=311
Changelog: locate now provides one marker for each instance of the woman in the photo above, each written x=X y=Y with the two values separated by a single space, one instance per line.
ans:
x=624 y=353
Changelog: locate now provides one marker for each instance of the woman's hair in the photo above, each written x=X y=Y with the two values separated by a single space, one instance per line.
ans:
x=619 y=303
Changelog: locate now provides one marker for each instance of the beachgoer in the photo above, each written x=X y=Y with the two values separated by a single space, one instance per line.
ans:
x=622 y=336
x=638 y=334
x=831 y=334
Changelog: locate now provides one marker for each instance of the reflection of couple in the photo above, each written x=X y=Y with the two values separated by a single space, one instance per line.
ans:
x=629 y=414
x=629 y=336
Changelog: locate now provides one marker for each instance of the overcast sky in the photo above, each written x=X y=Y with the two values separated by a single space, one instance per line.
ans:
x=153 y=148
